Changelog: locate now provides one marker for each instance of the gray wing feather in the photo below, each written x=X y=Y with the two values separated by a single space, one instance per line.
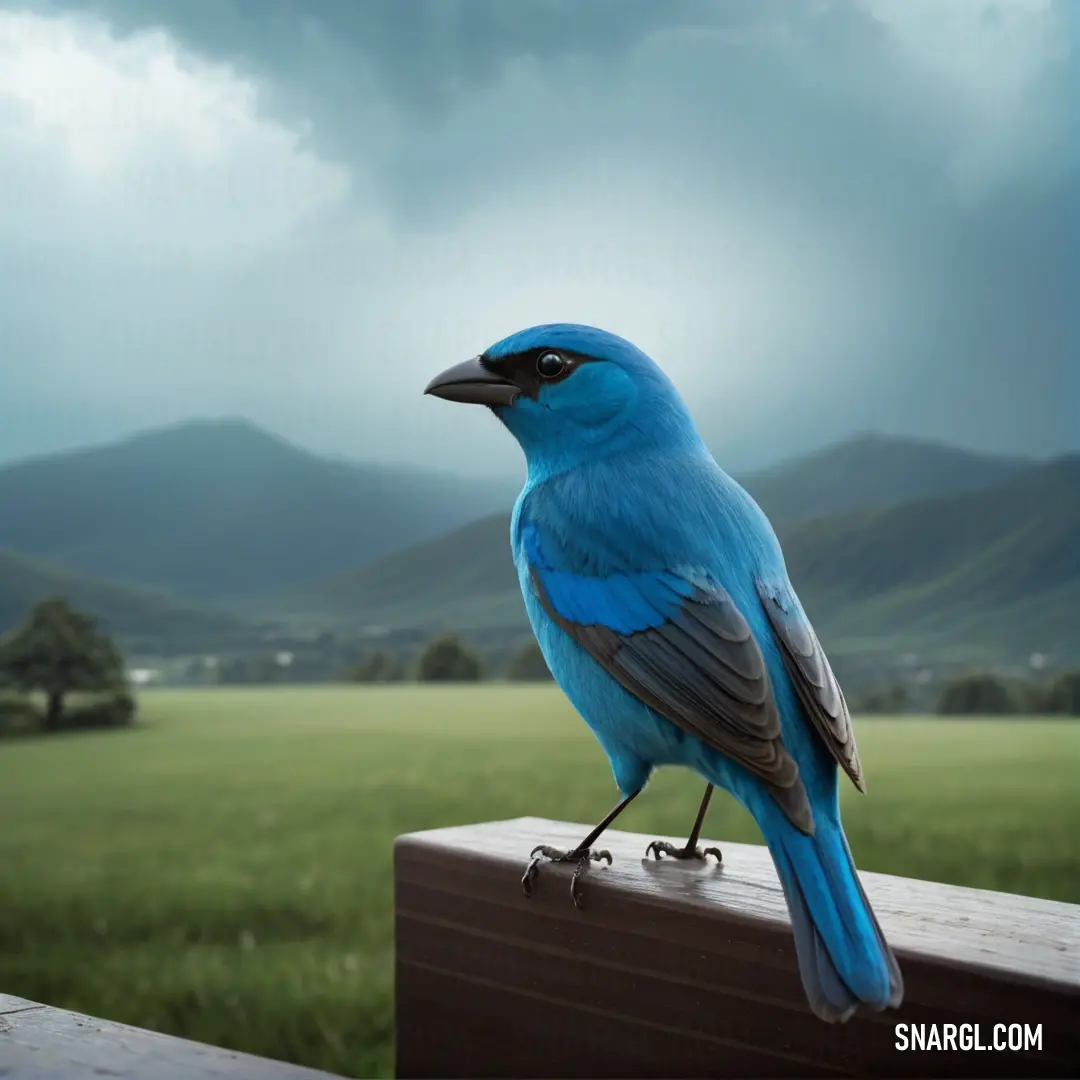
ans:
x=813 y=679
x=704 y=671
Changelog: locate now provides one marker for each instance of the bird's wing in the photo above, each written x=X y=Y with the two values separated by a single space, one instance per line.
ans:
x=812 y=677
x=679 y=643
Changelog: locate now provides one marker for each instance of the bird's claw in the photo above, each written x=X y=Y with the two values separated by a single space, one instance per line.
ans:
x=582 y=858
x=662 y=847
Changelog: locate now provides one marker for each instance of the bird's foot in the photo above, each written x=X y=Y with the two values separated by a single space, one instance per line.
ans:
x=581 y=856
x=662 y=847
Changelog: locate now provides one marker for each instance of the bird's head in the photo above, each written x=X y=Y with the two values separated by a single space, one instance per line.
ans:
x=568 y=393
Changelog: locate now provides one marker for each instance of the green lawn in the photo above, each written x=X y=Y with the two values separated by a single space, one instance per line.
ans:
x=223 y=872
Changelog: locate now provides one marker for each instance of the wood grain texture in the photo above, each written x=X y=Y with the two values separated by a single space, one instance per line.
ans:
x=41 y=1043
x=677 y=969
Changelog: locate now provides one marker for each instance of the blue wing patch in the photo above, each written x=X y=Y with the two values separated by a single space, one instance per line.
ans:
x=683 y=648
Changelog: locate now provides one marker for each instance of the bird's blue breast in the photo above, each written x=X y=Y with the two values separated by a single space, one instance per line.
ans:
x=642 y=513
x=621 y=543
x=632 y=736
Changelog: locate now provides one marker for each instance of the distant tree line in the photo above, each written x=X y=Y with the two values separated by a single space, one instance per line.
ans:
x=446 y=659
x=378 y=667
x=887 y=701
x=988 y=695
x=58 y=671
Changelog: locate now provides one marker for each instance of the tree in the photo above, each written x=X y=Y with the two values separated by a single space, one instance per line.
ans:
x=1063 y=694
x=377 y=667
x=528 y=665
x=447 y=660
x=59 y=651
x=976 y=695
x=395 y=670
x=888 y=702
x=243 y=669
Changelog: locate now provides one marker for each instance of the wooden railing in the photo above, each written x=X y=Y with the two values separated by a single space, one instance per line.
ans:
x=38 y=1042
x=670 y=970
x=675 y=969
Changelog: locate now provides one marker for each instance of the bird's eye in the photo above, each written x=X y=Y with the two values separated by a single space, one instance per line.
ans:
x=550 y=365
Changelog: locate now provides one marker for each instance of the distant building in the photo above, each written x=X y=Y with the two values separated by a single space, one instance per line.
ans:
x=143 y=676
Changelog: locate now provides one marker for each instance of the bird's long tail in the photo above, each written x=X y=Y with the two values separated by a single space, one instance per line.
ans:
x=844 y=959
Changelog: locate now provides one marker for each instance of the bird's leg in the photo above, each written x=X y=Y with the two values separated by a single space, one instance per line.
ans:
x=582 y=855
x=691 y=850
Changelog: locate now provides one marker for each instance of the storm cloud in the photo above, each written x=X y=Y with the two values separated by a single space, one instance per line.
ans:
x=821 y=218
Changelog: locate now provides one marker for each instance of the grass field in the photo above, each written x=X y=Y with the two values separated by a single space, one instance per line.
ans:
x=223 y=872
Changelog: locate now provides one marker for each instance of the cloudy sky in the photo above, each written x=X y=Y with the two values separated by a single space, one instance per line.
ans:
x=820 y=217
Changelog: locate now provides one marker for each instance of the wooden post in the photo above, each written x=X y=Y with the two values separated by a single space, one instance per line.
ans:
x=676 y=969
x=38 y=1042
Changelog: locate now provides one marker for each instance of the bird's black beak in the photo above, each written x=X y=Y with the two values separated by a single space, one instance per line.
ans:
x=473 y=384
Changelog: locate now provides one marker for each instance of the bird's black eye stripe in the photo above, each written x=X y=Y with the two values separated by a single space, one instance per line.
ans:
x=550 y=365
x=532 y=369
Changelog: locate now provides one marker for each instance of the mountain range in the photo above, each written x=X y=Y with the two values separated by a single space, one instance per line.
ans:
x=199 y=533
x=146 y=619
x=218 y=510
x=988 y=571
x=873 y=470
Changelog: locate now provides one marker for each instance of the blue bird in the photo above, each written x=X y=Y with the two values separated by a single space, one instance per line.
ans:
x=659 y=596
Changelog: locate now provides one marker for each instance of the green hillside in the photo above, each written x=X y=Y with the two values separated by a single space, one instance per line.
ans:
x=215 y=510
x=998 y=568
x=221 y=511
x=987 y=571
x=225 y=516
x=141 y=619
x=464 y=580
x=873 y=470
